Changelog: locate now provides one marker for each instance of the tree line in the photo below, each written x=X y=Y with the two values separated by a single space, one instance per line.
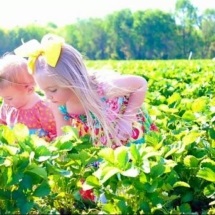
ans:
x=122 y=35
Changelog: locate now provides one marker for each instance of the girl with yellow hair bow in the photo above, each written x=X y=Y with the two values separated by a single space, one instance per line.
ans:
x=106 y=105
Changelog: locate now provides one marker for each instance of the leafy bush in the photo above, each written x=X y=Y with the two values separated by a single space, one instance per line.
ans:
x=173 y=172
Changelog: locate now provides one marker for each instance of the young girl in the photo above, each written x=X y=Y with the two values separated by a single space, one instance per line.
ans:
x=21 y=104
x=105 y=105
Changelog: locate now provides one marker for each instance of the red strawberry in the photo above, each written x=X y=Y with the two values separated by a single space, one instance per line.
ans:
x=87 y=194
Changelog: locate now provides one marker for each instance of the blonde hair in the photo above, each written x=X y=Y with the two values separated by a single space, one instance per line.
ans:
x=14 y=71
x=71 y=72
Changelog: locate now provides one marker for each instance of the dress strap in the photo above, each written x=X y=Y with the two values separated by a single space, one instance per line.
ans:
x=63 y=110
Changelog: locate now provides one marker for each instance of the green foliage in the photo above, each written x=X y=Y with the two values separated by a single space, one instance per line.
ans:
x=173 y=172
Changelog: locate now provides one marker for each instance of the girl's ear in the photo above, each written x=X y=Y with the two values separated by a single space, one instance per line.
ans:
x=29 y=88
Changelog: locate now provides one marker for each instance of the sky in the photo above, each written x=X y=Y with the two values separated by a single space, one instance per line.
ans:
x=61 y=12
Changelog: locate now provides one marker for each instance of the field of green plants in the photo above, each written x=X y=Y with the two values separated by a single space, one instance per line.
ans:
x=173 y=172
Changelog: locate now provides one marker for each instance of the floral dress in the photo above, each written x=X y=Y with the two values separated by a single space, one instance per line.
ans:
x=39 y=119
x=113 y=107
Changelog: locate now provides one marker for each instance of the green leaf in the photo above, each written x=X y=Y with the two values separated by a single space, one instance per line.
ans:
x=91 y=181
x=105 y=173
x=121 y=157
x=207 y=174
x=9 y=175
x=2 y=160
x=187 y=197
x=111 y=208
x=58 y=171
x=86 y=157
x=169 y=165
x=153 y=139
x=64 y=146
x=25 y=207
x=107 y=154
x=146 y=165
x=122 y=205
x=145 y=207
x=42 y=190
x=191 y=161
x=172 y=178
x=16 y=177
x=171 y=151
x=12 y=150
x=132 y=172
x=21 y=131
x=8 y=135
x=42 y=153
x=5 y=194
x=151 y=187
x=41 y=172
x=70 y=131
x=212 y=133
x=175 y=97
x=185 y=208
x=142 y=177
x=157 y=170
x=199 y=104
x=26 y=182
x=164 y=108
x=189 y=116
x=209 y=191
x=191 y=137
x=135 y=154
x=207 y=162
x=212 y=203
x=181 y=184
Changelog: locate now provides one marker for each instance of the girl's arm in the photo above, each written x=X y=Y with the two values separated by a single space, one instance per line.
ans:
x=133 y=86
x=59 y=119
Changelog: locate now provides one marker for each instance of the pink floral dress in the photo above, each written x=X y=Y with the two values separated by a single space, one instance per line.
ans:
x=39 y=119
x=113 y=107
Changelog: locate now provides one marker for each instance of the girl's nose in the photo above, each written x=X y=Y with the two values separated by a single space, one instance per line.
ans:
x=6 y=102
x=49 y=97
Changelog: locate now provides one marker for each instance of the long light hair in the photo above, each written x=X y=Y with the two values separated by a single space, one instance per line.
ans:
x=14 y=71
x=71 y=72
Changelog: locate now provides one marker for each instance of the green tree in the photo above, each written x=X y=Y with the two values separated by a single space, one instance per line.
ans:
x=186 y=19
x=154 y=34
x=119 y=29
x=208 y=32
x=88 y=36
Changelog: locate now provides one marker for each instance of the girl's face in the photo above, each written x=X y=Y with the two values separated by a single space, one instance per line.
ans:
x=15 y=96
x=53 y=92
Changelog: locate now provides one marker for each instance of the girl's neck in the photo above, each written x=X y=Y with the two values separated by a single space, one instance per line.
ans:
x=75 y=107
x=31 y=101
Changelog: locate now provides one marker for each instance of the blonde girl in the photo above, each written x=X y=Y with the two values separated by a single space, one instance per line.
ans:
x=20 y=102
x=105 y=105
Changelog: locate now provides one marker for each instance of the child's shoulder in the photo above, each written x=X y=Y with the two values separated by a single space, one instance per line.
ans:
x=42 y=104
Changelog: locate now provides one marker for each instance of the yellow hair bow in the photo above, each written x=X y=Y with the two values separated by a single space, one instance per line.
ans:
x=32 y=49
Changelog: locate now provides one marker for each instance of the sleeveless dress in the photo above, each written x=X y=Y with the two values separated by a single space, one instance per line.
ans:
x=113 y=107
x=39 y=119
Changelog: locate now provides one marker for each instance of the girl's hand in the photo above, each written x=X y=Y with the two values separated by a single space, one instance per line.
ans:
x=124 y=128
